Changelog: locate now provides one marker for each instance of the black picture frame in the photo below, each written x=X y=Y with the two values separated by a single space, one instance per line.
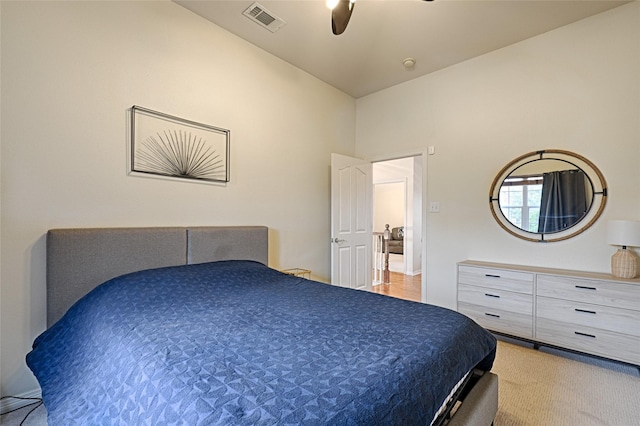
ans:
x=167 y=146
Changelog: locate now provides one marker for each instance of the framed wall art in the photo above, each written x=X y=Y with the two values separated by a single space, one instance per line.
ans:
x=167 y=146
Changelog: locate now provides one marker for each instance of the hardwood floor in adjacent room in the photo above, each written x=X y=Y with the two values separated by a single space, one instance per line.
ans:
x=402 y=286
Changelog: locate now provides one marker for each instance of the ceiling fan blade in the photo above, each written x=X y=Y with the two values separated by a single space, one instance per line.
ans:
x=340 y=16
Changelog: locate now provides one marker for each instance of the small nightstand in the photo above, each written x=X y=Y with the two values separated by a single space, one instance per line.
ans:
x=298 y=272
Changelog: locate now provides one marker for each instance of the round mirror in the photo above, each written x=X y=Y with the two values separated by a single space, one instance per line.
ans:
x=549 y=195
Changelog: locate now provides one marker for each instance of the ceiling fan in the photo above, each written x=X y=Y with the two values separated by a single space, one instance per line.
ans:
x=341 y=11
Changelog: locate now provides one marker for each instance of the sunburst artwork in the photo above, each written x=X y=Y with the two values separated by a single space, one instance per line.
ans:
x=167 y=146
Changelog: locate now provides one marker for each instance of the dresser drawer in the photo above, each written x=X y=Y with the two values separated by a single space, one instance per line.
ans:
x=622 y=347
x=496 y=299
x=595 y=316
x=616 y=294
x=513 y=323
x=521 y=282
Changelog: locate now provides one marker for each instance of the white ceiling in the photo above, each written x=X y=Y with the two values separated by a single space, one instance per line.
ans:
x=368 y=56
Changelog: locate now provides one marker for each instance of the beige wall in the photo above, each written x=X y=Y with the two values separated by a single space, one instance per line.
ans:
x=69 y=73
x=388 y=204
x=575 y=88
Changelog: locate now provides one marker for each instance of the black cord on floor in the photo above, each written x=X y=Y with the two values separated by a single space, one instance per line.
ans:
x=37 y=402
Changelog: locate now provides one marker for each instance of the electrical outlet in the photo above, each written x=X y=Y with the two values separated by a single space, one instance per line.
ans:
x=434 y=207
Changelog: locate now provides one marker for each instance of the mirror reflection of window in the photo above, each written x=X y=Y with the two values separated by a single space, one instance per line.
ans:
x=520 y=198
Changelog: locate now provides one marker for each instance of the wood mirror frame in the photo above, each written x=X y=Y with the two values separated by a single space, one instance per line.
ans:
x=595 y=180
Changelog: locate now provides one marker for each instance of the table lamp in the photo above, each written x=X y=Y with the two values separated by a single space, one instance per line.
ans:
x=624 y=263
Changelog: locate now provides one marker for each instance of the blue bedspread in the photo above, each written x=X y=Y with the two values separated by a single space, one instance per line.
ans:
x=238 y=343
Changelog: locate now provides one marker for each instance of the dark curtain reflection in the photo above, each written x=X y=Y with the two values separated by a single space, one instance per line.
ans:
x=564 y=200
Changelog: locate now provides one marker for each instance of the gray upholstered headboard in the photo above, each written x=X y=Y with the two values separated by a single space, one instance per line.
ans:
x=80 y=259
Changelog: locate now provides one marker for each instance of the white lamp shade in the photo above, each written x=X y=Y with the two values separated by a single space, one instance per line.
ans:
x=623 y=233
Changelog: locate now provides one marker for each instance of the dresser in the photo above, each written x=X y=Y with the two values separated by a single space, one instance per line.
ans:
x=588 y=312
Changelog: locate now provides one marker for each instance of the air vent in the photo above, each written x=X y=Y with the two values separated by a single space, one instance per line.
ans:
x=258 y=14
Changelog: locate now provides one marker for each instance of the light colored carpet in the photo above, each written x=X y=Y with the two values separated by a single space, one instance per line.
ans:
x=37 y=418
x=543 y=387
x=554 y=387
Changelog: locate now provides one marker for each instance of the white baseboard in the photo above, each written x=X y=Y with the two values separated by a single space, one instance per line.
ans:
x=10 y=404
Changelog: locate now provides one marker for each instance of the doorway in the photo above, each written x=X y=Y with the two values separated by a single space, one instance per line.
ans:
x=390 y=208
x=397 y=201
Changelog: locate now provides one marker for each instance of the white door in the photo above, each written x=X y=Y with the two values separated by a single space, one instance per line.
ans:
x=351 y=229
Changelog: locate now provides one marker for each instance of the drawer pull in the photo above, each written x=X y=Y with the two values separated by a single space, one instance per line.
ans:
x=584 y=311
x=582 y=287
x=585 y=334
x=492 y=276
x=492 y=315
x=492 y=295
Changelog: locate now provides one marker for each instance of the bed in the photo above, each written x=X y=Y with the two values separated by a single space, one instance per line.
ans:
x=189 y=326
